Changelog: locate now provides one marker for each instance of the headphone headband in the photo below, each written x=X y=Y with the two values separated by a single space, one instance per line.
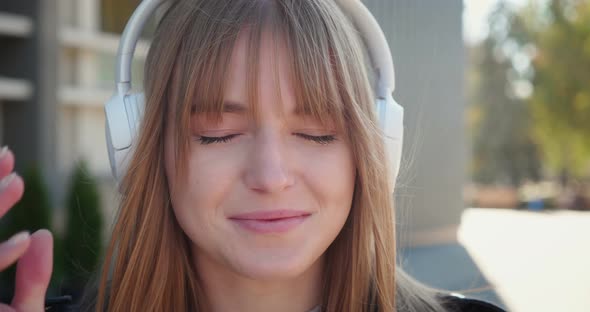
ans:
x=129 y=40
x=376 y=42
x=372 y=35
x=124 y=110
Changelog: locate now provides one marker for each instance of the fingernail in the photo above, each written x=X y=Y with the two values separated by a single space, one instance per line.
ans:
x=3 y=151
x=17 y=238
x=5 y=182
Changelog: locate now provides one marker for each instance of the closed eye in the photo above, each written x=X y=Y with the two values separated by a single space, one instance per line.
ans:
x=210 y=140
x=322 y=139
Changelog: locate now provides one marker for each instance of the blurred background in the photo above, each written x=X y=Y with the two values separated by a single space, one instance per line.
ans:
x=493 y=197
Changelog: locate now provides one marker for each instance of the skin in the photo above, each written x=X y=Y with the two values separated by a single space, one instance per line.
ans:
x=34 y=253
x=269 y=165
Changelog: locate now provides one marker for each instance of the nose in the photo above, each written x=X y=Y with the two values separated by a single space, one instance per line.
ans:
x=268 y=167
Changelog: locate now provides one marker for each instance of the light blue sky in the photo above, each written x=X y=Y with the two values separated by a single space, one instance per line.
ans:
x=475 y=17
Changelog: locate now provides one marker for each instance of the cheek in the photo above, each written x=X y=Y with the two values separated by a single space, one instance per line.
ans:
x=194 y=199
x=330 y=180
x=331 y=177
x=213 y=174
x=210 y=177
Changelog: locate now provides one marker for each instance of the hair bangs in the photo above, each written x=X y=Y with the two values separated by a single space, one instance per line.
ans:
x=317 y=78
x=208 y=37
x=203 y=62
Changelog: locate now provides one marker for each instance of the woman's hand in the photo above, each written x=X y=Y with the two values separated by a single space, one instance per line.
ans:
x=33 y=252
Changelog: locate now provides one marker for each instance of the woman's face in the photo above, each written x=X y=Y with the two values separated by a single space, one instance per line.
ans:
x=262 y=199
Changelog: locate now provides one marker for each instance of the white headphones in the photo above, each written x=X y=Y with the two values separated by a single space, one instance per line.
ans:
x=125 y=109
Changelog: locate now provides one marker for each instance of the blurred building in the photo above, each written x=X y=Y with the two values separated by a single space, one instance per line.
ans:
x=17 y=64
x=56 y=70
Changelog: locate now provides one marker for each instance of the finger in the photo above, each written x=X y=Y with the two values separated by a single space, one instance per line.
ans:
x=5 y=308
x=33 y=272
x=13 y=249
x=11 y=190
x=6 y=161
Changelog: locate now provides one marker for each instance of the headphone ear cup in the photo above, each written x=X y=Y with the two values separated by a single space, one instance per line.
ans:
x=135 y=105
x=123 y=120
x=391 y=121
x=110 y=149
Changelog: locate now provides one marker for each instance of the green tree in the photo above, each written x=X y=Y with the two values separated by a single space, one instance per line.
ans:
x=502 y=145
x=83 y=241
x=560 y=103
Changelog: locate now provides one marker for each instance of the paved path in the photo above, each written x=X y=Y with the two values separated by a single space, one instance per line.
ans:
x=540 y=262
x=537 y=261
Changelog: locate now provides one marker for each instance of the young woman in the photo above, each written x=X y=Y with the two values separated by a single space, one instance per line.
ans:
x=259 y=179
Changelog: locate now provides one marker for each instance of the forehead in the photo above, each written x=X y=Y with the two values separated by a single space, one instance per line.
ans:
x=260 y=77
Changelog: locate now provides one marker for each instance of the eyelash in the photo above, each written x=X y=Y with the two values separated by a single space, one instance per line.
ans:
x=210 y=140
x=323 y=139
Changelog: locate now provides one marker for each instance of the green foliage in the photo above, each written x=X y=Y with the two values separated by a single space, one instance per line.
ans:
x=503 y=149
x=31 y=213
x=560 y=104
x=546 y=47
x=82 y=243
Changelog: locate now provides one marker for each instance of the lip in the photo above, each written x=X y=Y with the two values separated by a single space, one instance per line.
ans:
x=274 y=221
x=270 y=214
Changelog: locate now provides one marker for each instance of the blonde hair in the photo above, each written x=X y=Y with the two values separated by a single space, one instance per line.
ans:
x=148 y=265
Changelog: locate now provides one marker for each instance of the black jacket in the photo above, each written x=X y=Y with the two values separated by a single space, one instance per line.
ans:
x=458 y=303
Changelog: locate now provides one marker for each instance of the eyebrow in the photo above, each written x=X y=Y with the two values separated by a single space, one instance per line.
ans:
x=229 y=107
x=234 y=107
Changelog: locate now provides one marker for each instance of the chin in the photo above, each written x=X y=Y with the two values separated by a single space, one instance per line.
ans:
x=274 y=265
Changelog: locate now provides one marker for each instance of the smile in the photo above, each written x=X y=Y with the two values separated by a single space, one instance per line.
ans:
x=270 y=226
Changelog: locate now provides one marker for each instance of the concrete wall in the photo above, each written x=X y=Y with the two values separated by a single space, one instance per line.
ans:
x=426 y=42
